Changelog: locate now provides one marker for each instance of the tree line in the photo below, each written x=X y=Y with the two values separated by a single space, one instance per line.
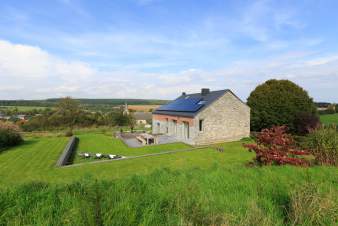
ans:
x=69 y=113
x=89 y=104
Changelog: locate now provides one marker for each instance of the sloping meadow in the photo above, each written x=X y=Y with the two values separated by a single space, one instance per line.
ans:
x=214 y=196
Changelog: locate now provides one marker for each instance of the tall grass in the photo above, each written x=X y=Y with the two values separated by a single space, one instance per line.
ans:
x=165 y=197
x=311 y=206
x=323 y=144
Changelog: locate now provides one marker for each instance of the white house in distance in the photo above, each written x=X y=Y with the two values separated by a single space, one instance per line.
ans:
x=204 y=118
x=142 y=118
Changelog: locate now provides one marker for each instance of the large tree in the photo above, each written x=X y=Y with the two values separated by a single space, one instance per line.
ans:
x=279 y=102
x=120 y=119
x=67 y=113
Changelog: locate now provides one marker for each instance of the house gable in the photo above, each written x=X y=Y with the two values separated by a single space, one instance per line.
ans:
x=228 y=118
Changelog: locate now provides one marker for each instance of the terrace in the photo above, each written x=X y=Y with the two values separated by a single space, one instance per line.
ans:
x=140 y=139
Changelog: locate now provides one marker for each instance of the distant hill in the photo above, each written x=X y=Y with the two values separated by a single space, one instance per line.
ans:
x=51 y=102
x=115 y=101
x=92 y=104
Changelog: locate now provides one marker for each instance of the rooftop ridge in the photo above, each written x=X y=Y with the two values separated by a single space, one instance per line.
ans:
x=211 y=91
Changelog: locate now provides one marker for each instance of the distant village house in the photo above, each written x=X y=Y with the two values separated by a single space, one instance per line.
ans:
x=142 y=118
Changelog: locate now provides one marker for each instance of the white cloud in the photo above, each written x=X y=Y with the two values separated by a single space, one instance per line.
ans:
x=322 y=60
x=29 y=62
x=261 y=21
x=33 y=69
x=30 y=72
x=23 y=61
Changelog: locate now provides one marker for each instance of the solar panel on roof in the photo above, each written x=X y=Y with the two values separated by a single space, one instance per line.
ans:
x=182 y=104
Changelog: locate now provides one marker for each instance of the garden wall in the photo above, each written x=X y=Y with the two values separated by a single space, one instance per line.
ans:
x=68 y=151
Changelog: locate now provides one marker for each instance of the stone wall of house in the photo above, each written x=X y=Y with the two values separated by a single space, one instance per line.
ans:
x=227 y=119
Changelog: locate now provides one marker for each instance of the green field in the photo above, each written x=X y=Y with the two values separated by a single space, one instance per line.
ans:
x=100 y=143
x=35 y=159
x=22 y=108
x=329 y=119
x=203 y=187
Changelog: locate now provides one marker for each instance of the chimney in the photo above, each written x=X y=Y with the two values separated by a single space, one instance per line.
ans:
x=205 y=91
x=183 y=94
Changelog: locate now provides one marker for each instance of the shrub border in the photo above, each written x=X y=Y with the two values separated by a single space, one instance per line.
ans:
x=68 y=151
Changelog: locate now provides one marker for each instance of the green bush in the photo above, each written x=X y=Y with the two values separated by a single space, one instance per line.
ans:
x=323 y=144
x=9 y=135
x=278 y=102
x=306 y=123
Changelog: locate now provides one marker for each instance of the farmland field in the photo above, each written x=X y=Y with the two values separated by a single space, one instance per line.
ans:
x=203 y=187
x=329 y=119
x=22 y=108
x=145 y=108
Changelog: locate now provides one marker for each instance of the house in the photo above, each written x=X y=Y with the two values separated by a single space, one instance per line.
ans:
x=21 y=117
x=204 y=118
x=4 y=117
x=142 y=118
x=325 y=106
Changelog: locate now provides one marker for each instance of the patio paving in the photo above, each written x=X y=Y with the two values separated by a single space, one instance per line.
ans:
x=131 y=141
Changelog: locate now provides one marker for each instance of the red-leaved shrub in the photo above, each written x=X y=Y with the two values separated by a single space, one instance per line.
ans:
x=275 y=146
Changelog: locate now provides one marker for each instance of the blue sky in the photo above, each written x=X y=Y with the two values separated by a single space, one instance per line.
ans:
x=159 y=48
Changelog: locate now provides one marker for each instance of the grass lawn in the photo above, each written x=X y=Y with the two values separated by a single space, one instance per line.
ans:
x=203 y=187
x=329 y=119
x=35 y=159
x=105 y=144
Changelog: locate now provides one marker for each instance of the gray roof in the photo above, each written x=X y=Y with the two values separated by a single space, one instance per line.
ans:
x=142 y=115
x=207 y=98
